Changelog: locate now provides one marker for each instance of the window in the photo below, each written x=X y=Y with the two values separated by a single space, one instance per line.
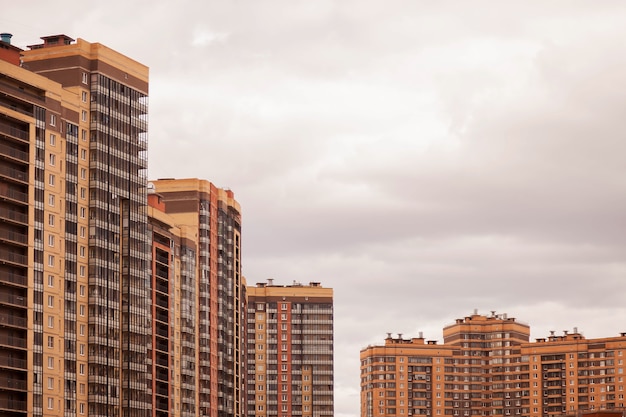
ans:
x=83 y=154
x=259 y=336
x=53 y=120
x=50 y=403
x=51 y=322
x=51 y=199
x=260 y=326
x=50 y=280
x=83 y=135
x=81 y=308
x=283 y=306
x=84 y=96
x=283 y=367
x=83 y=174
x=284 y=397
x=53 y=139
x=283 y=326
x=81 y=408
x=51 y=240
x=82 y=270
x=82 y=388
x=81 y=290
x=81 y=330
x=283 y=316
x=83 y=250
x=52 y=159
x=50 y=362
x=81 y=349
x=83 y=116
x=51 y=342
x=50 y=260
x=83 y=212
x=81 y=369
x=83 y=231
x=85 y=78
x=51 y=219
x=283 y=357
x=51 y=301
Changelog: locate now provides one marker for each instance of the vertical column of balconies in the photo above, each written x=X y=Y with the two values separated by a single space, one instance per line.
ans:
x=553 y=380
x=188 y=332
x=70 y=290
x=252 y=383
x=118 y=256
x=229 y=326
x=161 y=334
x=317 y=350
x=204 y=300
x=15 y=148
x=39 y=223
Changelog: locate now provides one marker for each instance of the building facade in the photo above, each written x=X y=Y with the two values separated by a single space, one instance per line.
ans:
x=213 y=299
x=73 y=211
x=290 y=350
x=488 y=366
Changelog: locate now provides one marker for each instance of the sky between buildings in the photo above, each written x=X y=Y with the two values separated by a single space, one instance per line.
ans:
x=423 y=158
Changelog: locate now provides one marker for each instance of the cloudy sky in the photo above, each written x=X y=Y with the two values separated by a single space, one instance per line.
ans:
x=423 y=158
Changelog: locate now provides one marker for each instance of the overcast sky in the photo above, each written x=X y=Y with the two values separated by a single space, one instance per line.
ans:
x=423 y=158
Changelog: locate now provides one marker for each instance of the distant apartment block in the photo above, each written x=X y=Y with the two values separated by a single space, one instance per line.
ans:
x=487 y=366
x=290 y=350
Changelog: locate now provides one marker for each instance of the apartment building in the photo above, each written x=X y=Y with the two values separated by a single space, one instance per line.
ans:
x=212 y=331
x=74 y=271
x=488 y=366
x=290 y=350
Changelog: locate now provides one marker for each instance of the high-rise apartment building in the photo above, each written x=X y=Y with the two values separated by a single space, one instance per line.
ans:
x=290 y=350
x=74 y=271
x=488 y=366
x=212 y=299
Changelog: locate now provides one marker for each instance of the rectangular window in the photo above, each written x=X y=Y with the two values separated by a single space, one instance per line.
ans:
x=51 y=179
x=53 y=139
x=83 y=212
x=81 y=290
x=53 y=120
x=51 y=219
x=83 y=231
x=81 y=408
x=83 y=192
x=81 y=369
x=85 y=78
x=83 y=154
x=81 y=349
x=50 y=280
x=83 y=116
x=83 y=135
x=52 y=159
x=51 y=301
x=83 y=174
x=83 y=250
x=50 y=362
x=81 y=308
x=81 y=330
x=51 y=240
x=82 y=270
x=50 y=260
x=51 y=322
x=84 y=96
x=50 y=403
x=51 y=200
x=51 y=342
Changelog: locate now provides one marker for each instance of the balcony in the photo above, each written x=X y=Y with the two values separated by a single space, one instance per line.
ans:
x=13 y=258
x=13 y=216
x=14 y=174
x=9 y=404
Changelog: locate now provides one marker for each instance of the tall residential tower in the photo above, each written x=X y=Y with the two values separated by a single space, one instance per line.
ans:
x=73 y=215
x=290 y=350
